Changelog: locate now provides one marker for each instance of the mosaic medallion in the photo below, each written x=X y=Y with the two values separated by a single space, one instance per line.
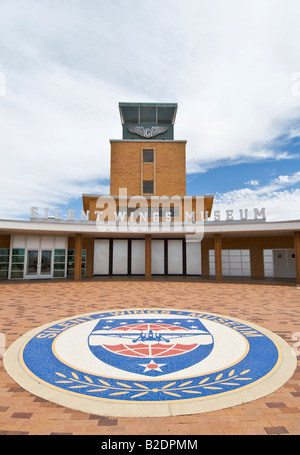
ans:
x=157 y=362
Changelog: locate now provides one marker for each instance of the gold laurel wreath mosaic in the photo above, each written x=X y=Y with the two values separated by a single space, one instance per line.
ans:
x=139 y=390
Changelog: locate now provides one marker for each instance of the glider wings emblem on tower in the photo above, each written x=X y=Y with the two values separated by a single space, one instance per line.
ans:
x=147 y=132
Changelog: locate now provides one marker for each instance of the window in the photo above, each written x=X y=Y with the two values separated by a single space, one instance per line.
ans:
x=130 y=114
x=17 y=265
x=71 y=262
x=4 y=261
x=148 y=187
x=59 y=263
x=148 y=156
x=165 y=115
x=147 y=114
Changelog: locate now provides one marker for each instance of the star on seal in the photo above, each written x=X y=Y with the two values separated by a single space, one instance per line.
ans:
x=152 y=366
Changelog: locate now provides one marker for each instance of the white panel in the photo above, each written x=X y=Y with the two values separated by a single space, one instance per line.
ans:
x=291 y=263
x=235 y=272
x=138 y=257
x=284 y=263
x=234 y=263
x=246 y=272
x=18 y=241
x=268 y=253
x=235 y=260
x=269 y=273
x=225 y=261
x=46 y=242
x=175 y=257
x=245 y=259
x=101 y=257
x=268 y=264
x=268 y=260
x=245 y=253
x=157 y=257
x=235 y=268
x=193 y=258
x=238 y=263
x=60 y=243
x=120 y=257
x=280 y=263
x=33 y=241
x=233 y=253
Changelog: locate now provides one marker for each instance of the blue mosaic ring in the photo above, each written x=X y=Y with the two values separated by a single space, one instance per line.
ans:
x=150 y=362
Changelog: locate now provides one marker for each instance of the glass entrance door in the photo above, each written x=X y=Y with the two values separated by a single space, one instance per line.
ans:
x=46 y=256
x=32 y=263
x=39 y=264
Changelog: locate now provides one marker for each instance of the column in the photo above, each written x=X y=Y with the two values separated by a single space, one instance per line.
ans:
x=205 y=258
x=147 y=257
x=257 y=260
x=218 y=257
x=297 y=256
x=78 y=255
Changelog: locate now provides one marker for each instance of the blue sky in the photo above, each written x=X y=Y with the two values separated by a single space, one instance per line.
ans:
x=233 y=68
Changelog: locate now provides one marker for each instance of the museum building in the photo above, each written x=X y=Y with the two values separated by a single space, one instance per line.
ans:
x=148 y=226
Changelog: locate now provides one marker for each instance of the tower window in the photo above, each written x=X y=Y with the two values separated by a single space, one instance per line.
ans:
x=147 y=114
x=148 y=187
x=148 y=156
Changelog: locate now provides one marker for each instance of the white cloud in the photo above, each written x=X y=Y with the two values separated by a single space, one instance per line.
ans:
x=279 y=198
x=295 y=132
x=53 y=147
x=252 y=182
x=237 y=84
x=67 y=64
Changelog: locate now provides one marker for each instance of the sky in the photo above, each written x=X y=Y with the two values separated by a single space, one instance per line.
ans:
x=233 y=68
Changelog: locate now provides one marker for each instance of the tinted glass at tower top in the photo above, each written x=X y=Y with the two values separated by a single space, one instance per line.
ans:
x=130 y=114
x=147 y=114
x=165 y=115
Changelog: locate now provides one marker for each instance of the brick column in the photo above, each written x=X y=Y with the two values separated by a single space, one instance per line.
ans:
x=78 y=255
x=148 y=257
x=257 y=261
x=218 y=257
x=297 y=255
x=204 y=258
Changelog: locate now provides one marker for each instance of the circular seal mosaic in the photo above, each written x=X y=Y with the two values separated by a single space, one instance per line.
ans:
x=150 y=362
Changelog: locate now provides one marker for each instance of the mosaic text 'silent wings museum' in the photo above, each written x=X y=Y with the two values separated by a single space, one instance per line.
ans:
x=148 y=226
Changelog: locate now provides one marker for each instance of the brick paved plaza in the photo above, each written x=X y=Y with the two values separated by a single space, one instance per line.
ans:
x=272 y=305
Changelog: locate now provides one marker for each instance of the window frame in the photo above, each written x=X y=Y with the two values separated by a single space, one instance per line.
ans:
x=148 y=192
x=148 y=165
x=143 y=156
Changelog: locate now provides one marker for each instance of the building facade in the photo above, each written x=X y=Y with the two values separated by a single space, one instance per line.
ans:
x=148 y=226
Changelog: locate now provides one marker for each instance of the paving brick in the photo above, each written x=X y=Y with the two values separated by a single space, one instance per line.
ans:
x=25 y=306
x=276 y=405
x=276 y=430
